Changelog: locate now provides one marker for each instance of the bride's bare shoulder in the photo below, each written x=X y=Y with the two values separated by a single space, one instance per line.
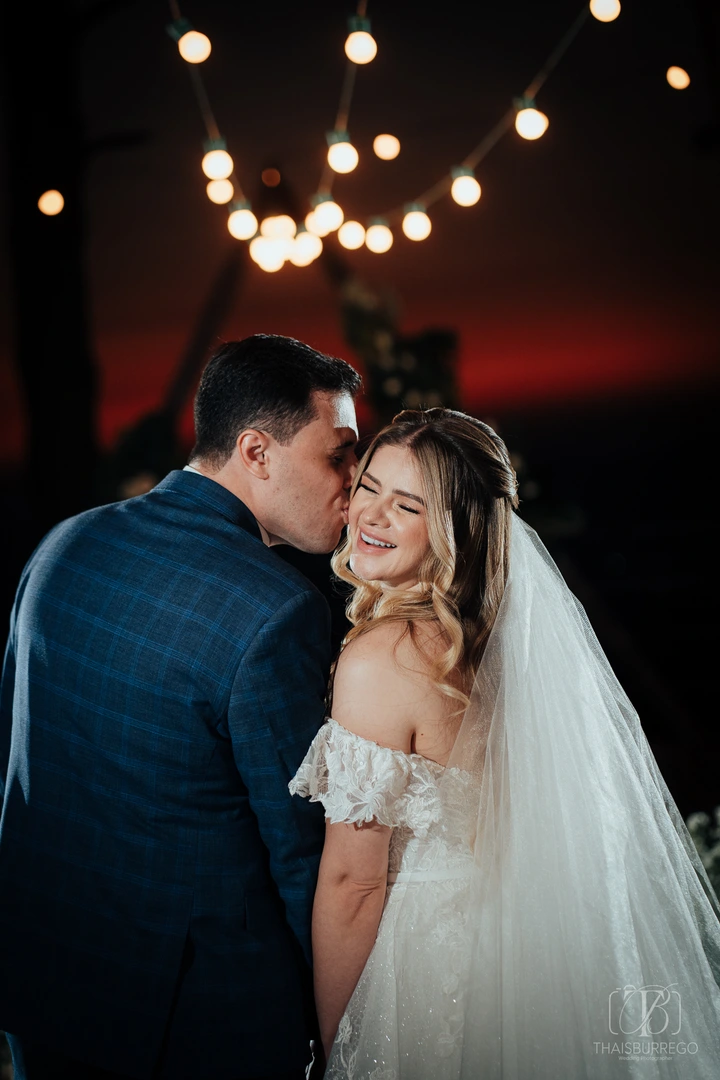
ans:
x=382 y=687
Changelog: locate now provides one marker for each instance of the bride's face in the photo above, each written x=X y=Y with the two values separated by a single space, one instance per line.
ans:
x=387 y=520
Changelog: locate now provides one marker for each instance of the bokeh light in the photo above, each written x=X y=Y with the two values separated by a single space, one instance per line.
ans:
x=270 y=177
x=360 y=47
x=242 y=223
x=416 y=225
x=386 y=147
x=50 y=203
x=465 y=190
x=531 y=123
x=269 y=254
x=605 y=10
x=342 y=157
x=351 y=235
x=325 y=218
x=220 y=191
x=678 y=78
x=278 y=227
x=194 y=47
x=378 y=238
x=217 y=165
x=305 y=248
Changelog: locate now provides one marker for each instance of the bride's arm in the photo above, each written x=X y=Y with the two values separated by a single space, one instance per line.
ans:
x=346 y=915
x=380 y=693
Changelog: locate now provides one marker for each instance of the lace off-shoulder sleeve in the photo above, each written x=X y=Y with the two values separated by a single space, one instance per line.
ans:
x=357 y=780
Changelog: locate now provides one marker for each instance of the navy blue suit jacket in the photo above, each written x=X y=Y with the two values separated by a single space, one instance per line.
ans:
x=164 y=677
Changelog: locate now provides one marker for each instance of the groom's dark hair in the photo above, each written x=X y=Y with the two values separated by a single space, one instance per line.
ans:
x=264 y=381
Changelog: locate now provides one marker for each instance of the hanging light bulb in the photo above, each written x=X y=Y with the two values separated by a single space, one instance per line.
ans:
x=465 y=189
x=351 y=235
x=220 y=191
x=342 y=156
x=193 y=46
x=50 y=203
x=269 y=254
x=605 y=10
x=386 y=147
x=678 y=78
x=242 y=223
x=360 y=45
x=529 y=122
x=217 y=163
x=278 y=227
x=416 y=224
x=305 y=248
x=378 y=237
x=325 y=217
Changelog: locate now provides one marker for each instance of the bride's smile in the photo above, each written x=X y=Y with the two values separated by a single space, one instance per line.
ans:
x=387 y=518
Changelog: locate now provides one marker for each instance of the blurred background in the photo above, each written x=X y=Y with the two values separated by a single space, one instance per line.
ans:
x=574 y=306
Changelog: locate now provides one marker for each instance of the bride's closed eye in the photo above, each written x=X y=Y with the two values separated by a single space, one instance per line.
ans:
x=409 y=509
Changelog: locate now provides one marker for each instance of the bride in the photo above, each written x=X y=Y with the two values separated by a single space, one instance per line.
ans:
x=507 y=889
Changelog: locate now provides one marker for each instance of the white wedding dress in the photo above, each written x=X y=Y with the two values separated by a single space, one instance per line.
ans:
x=547 y=916
x=430 y=871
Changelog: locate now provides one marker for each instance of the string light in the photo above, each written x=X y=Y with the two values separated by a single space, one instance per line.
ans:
x=378 y=237
x=351 y=235
x=342 y=156
x=50 y=203
x=268 y=254
x=360 y=45
x=325 y=217
x=530 y=122
x=386 y=147
x=416 y=224
x=220 y=191
x=217 y=163
x=242 y=223
x=193 y=46
x=605 y=10
x=278 y=227
x=678 y=78
x=278 y=238
x=465 y=189
x=305 y=248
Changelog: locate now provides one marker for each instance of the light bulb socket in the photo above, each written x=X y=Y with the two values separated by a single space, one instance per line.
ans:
x=179 y=28
x=414 y=207
x=320 y=197
x=239 y=204
x=461 y=170
x=358 y=24
x=335 y=137
x=378 y=221
x=214 y=144
x=524 y=103
x=300 y=229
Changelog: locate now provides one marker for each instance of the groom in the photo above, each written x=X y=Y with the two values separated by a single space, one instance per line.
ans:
x=164 y=677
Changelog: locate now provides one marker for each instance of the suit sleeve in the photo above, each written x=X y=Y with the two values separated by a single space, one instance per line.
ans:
x=276 y=706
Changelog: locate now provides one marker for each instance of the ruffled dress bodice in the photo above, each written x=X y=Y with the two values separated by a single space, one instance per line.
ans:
x=358 y=780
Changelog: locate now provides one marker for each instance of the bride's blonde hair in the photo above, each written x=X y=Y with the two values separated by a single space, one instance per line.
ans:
x=470 y=490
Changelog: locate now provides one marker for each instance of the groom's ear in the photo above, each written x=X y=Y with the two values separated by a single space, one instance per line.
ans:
x=252 y=446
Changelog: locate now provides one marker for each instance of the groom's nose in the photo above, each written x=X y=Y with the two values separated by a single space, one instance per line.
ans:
x=350 y=475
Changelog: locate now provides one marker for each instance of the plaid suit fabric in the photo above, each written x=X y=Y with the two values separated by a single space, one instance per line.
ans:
x=164 y=676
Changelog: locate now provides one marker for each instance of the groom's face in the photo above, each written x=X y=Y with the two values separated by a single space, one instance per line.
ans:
x=313 y=475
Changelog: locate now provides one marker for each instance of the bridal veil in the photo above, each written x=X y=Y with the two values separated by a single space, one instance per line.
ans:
x=591 y=938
